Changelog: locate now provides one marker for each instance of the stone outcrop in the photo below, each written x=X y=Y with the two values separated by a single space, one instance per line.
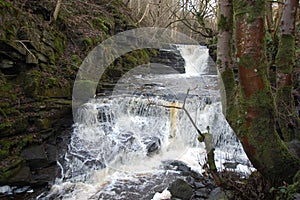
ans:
x=171 y=57
x=39 y=59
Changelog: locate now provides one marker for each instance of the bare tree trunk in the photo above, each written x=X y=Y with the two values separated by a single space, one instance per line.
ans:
x=255 y=119
x=224 y=54
x=285 y=62
x=269 y=12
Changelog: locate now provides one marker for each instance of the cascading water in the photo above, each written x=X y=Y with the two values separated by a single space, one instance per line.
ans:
x=196 y=59
x=121 y=143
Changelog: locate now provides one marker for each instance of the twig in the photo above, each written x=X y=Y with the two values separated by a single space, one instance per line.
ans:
x=182 y=108
x=20 y=41
x=145 y=12
x=57 y=8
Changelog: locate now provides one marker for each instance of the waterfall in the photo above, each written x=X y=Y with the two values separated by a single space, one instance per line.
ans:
x=120 y=143
x=195 y=57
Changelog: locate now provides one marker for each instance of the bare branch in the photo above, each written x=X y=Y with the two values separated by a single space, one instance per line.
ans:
x=57 y=8
x=21 y=42
x=182 y=108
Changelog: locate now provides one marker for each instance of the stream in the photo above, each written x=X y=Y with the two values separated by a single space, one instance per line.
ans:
x=123 y=145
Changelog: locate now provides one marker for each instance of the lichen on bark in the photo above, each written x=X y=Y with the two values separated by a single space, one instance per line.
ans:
x=256 y=112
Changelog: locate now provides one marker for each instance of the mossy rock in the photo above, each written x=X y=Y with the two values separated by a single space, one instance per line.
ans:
x=181 y=189
x=32 y=83
x=16 y=172
x=56 y=92
x=6 y=128
x=86 y=88
x=101 y=24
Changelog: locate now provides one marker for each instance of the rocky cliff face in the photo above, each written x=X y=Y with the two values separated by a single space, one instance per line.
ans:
x=39 y=59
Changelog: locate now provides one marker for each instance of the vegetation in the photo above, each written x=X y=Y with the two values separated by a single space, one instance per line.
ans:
x=42 y=46
x=258 y=55
x=251 y=108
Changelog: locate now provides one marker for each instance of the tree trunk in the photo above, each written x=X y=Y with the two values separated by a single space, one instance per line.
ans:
x=269 y=15
x=224 y=55
x=255 y=119
x=285 y=62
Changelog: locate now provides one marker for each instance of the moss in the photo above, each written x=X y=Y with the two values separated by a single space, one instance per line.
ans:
x=49 y=81
x=224 y=24
x=100 y=24
x=17 y=142
x=13 y=166
x=5 y=128
x=56 y=92
x=230 y=90
x=4 y=105
x=59 y=43
x=44 y=124
x=285 y=59
x=21 y=125
x=3 y=153
x=7 y=91
x=32 y=83
x=265 y=155
x=52 y=82
x=123 y=64
x=12 y=112
x=87 y=43
x=285 y=105
x=246 y=61
x=5 y=4
x=76 y=60
x=250 y=10
x=3 y=114
x=293 y=190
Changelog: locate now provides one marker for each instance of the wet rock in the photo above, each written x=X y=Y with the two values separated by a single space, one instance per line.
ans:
x=35 y=156
x=22 y=177
x=177 y=165
x=169 y=56
x=202 y=192
x=41 y=166
x=217 y=193
x=41 y=7
x=294 y=147
x=230 y=165
x=152 y=145
x=199 y=185
x=43 y=176
x=181 y=167
x=6 y=189
x=51 y=151
x=105 y=114
x=5 y=64
x=181 y=189
x=213 y=51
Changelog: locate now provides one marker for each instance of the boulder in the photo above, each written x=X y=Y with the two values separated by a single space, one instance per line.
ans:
x=152 y=145
x=169 y=56
x=217 y=193
x=181 y=189
x=35 y=156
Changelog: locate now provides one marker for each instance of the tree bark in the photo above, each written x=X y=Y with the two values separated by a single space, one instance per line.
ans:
x=285 y=62
x=255 y=119
x=224 y=55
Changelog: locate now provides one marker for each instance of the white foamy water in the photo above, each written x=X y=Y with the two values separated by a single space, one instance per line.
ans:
x=195 y=57
x=120 y=144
